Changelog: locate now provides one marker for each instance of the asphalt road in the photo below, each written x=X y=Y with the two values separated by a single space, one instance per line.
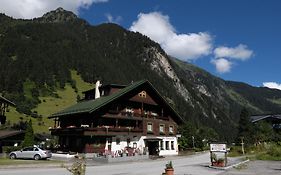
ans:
x=187 y=165
x=195 y=164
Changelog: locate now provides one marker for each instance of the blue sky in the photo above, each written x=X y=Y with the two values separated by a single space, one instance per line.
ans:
x=236 y=40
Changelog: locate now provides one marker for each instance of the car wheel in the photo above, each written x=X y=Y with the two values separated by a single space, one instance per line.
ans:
x=37 y=157
x=13 y=156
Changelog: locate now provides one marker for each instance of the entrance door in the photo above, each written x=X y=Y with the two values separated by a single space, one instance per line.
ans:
x=153 y=147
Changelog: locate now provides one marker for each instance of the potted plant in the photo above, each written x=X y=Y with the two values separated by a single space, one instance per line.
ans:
x=220 y=162
x=169 y=170
x=78 y=167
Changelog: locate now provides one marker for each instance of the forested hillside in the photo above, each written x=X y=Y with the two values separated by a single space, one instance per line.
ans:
x=37 y=57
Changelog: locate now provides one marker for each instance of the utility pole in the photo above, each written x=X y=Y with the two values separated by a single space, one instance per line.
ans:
x=242 y=144
x=193 y=142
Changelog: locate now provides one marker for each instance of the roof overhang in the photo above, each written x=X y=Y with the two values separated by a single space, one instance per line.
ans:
x=151 y=139
x=6 y=133
x=7 y=101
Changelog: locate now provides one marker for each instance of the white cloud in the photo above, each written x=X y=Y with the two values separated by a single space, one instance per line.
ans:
x=224 y=54
x=28 y=9
x=240 y=52
x=111 y=19
x=272 y=85
x=184 y=46
x=222 y=65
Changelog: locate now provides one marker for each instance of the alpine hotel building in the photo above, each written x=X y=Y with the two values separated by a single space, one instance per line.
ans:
x=112 y=118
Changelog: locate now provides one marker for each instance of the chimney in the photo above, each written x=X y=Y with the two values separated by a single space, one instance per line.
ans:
x=97 y=92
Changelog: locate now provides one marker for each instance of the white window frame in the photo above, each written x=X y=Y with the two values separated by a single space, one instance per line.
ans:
x=163 y=127
x=172 y=145
x=151 y=125
x=167 y=145
x=171 y=129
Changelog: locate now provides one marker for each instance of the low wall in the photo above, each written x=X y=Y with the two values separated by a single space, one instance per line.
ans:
x=110 y=159
x=64 y=157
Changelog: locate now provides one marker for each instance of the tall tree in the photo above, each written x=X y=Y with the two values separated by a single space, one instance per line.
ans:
x=263 y=132
x=245 y=128
x=187 y=132
x=29 y=135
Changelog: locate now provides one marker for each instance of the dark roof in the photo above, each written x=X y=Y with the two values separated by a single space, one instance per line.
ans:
x=7 y=101
x=256 y=118
x=92 y=105
x=6 y=133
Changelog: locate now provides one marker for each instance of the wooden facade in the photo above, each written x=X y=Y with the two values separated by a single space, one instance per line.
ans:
x=133 y=116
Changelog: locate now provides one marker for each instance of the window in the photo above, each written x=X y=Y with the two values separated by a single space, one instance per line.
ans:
x=142 y=94
x=172 y=145
x=162 y=145
x=161 y=128
x=28 y=149
x=117 y=141
x=171 y=129
x=167 y=145
x=149 y=127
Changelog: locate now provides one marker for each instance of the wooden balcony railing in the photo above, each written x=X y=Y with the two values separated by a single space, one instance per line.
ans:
x=135 y=113
x=97 y=130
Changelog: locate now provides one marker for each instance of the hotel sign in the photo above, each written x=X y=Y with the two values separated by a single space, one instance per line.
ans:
x=218 y=147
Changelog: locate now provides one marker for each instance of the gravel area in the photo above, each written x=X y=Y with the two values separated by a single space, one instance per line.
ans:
x=256 y=168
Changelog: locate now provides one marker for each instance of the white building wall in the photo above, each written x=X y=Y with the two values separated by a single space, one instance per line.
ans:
x=169 y=151
x=140 y=144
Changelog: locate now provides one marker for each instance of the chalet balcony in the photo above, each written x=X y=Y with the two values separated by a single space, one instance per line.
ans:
x=100 y=130
x=134 y=114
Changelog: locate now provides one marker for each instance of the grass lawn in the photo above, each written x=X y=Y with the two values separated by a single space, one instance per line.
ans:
x=80 y=84
x=50 y=105
x=7 y=161
x=265 y=156
x=271 y=151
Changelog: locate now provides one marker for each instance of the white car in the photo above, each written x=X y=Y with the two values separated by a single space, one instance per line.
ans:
x=32 y=152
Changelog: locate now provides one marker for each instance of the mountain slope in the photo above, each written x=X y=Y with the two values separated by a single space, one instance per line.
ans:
x=40 y=54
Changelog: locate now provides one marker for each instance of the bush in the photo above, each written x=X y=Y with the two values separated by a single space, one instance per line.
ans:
x=274 y=151
x=8 y=149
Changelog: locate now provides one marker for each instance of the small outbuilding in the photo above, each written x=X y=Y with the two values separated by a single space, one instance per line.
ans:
x=10 y=138
x=273 y=119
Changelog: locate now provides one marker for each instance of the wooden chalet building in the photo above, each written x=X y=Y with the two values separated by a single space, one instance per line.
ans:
x=4 y=104
x=7 y=138
x=114 y=118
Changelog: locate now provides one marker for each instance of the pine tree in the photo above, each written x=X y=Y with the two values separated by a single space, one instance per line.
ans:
x=245 y=128
x=29 y=135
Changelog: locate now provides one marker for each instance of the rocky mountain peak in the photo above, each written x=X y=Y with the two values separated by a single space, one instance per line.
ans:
x=59 y=15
